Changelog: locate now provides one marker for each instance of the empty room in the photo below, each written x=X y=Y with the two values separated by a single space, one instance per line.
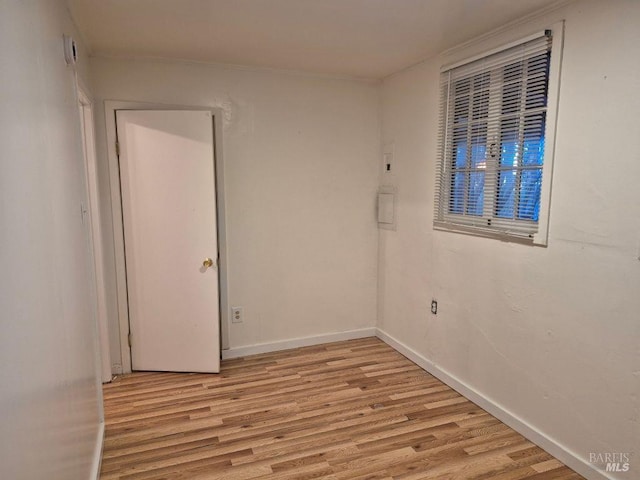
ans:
x=381 y=239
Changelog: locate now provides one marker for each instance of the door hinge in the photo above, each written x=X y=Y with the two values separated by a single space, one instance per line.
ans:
x=117 y=148
x=129 y=339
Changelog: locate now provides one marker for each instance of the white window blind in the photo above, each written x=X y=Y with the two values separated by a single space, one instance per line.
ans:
x=493 y=139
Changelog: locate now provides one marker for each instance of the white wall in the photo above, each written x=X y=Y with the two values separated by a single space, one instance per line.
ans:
x=300 y=164
x=48 y=393
x=549 y=334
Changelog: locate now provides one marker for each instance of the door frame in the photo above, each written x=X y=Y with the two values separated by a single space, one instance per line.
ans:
x=110 y=108
x=85 y=112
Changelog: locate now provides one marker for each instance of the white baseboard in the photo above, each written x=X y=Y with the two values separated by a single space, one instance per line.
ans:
x=97 y=453
x=237 y=352
x=562 y=453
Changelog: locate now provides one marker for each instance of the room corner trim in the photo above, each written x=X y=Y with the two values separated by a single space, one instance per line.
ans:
x=566 y=456
x=243 y=351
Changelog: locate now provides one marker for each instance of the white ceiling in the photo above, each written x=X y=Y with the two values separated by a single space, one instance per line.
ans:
x=361 y=38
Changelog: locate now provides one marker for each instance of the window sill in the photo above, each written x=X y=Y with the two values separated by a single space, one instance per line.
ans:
x=503 y=236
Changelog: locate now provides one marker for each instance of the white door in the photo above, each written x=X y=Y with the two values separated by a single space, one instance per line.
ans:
x=169 y=215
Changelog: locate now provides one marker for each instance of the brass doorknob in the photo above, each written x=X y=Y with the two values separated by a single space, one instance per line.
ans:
x=207 y=263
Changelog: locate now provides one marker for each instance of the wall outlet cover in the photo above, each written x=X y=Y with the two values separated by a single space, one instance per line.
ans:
x=237 y=315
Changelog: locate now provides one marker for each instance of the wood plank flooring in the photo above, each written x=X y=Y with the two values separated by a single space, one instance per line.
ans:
x=346 y=410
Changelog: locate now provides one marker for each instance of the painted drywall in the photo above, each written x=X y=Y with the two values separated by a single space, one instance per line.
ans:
x=49 y=396
x=300 y=160
x=548 y=334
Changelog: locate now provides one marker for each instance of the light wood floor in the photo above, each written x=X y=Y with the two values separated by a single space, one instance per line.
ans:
x=346 y=410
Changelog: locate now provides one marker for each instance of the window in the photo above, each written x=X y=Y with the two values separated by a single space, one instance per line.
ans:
x=497 y=126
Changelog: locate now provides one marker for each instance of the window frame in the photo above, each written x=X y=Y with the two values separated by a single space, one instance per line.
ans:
x=497 y=227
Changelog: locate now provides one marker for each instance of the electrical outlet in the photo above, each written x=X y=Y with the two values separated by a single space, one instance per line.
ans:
x=236 y=315
x=434 y=307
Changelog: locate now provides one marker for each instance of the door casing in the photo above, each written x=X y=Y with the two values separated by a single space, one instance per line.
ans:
x=91 y=172
x=111 y=106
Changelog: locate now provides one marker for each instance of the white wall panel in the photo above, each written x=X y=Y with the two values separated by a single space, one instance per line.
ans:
x=548 y=334
x=300 y=161
x=49 y=392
